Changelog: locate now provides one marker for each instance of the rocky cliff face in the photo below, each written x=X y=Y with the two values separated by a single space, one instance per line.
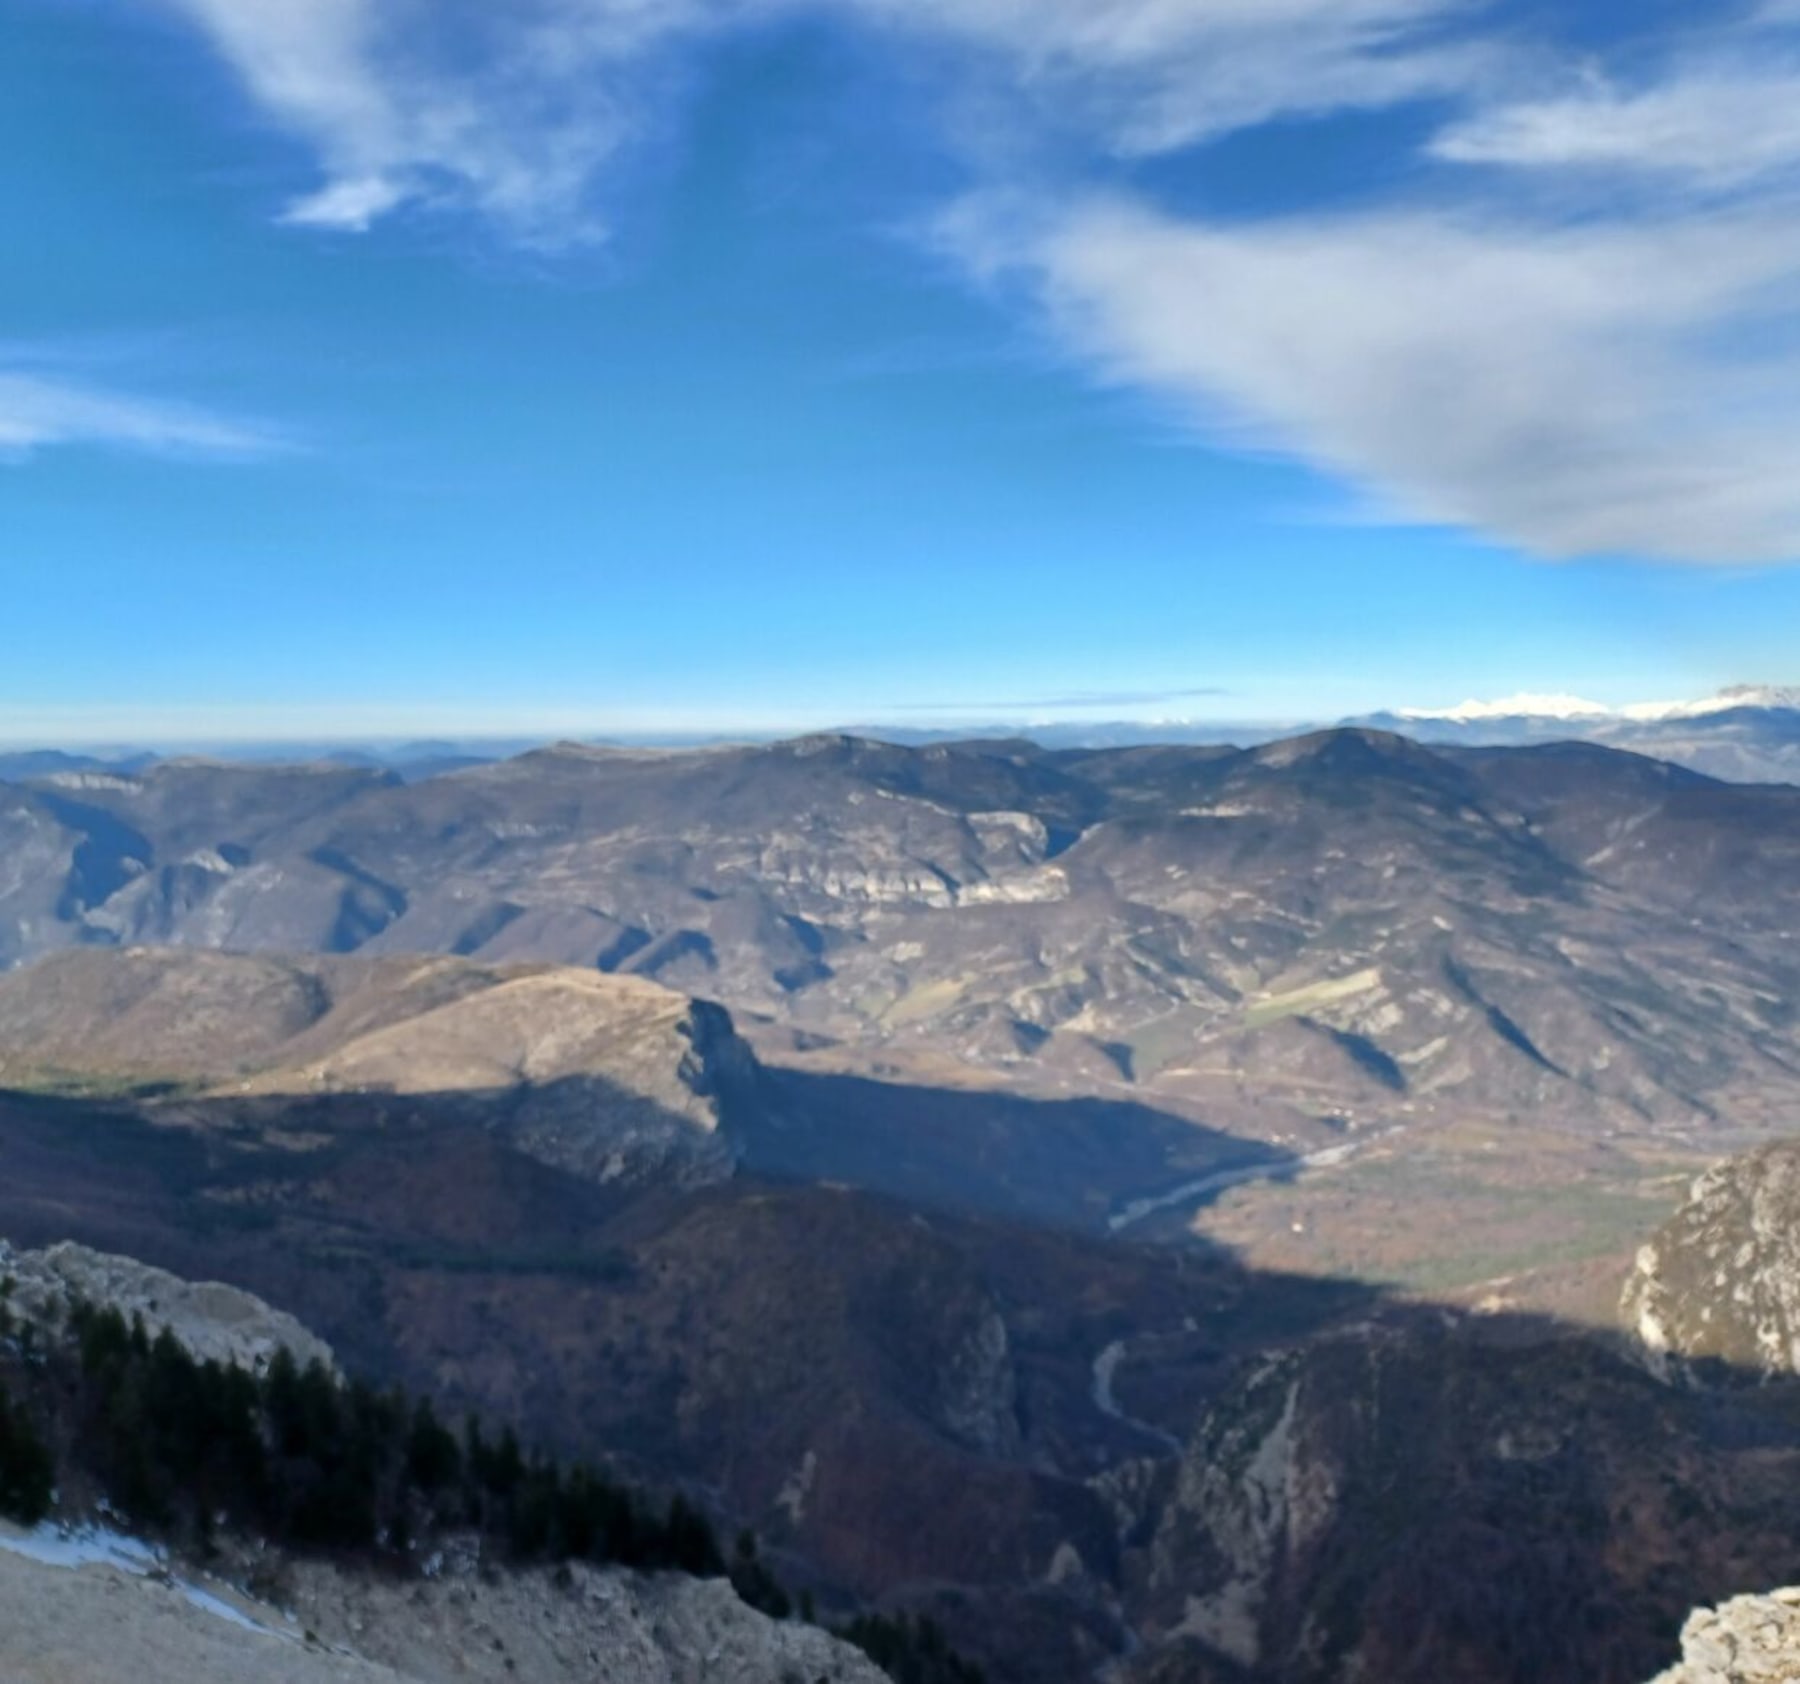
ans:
x=1715 y=1297
x=1717 y=1291
x=1422 y=1497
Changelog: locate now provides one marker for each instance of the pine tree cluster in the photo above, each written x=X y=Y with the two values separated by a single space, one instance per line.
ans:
x=910 y=1650
x=310 y=1462
x=314 y=1464
x=27 y=1469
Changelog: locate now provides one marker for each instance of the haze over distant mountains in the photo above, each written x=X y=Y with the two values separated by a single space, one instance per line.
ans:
x=1746 y=733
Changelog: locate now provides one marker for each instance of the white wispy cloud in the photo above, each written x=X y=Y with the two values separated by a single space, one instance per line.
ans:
x=1571 y=390
x=353 y=203
x=1151 y=75
x=1611 y=366
x=510 y=110
x=38 y=409
x=1718 y=127
x=516 y=111
x=1593 y=352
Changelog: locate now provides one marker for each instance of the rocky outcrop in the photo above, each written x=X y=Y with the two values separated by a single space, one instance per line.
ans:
x=979 y=1388
x=607 y=1077
x=1717 y=1291
x=216 y=1323
x=1256 y=1491
x=1748 y=1640
x=1428 y=1497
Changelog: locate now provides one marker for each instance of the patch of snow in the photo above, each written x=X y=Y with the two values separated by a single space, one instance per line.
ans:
x=1530 y=705
x=1527 y=705
x=218 y=1607
x=53 y=1545
x=81 y=1546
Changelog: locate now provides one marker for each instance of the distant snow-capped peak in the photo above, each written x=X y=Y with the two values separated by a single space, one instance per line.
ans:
x=1514 y=707
x=1784 y=696
x=1532 y=706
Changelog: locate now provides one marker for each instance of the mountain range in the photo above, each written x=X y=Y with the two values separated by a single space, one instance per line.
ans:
x=1745 y=733
x=1160 y=965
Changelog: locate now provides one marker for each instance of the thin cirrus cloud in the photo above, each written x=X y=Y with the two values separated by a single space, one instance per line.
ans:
x=1605 y=368
x=517 y=111
x=1716 y=128
x=1074 y=699
x=1149 y=76
x=509 y=111
x=38 y=409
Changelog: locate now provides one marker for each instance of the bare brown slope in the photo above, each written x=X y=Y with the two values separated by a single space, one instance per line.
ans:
x=602 y=1074
x=599 y=1073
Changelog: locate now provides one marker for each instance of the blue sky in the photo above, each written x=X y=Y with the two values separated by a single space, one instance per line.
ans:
x=399 y=367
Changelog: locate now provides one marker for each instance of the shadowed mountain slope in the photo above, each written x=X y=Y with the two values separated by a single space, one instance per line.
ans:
x=609 y=1075
x=898 y=1403
x=1071 y=1451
